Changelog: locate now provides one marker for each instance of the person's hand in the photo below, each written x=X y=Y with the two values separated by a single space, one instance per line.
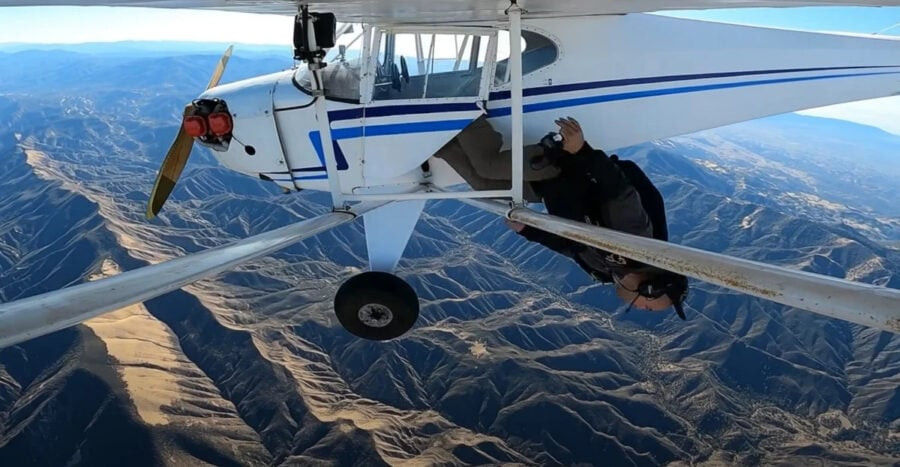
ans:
x=515 y=226
x=573 y=137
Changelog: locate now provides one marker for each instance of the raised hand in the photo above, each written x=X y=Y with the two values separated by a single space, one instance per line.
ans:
x=573 y=137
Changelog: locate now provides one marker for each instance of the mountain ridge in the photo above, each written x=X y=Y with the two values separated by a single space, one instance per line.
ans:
x=518 y=356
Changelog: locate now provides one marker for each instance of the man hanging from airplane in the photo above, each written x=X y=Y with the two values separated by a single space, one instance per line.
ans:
x=580 y=183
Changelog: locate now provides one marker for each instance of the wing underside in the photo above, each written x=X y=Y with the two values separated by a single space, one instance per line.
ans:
x=449 y=11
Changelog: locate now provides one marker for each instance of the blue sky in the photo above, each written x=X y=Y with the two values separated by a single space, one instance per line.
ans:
x=106 y=24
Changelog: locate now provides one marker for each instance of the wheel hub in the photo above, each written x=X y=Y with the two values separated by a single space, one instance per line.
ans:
x=375 y=315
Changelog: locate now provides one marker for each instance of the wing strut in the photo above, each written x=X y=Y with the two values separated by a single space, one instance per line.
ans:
x=516 y=110
x=865 y=304
x=42 y=314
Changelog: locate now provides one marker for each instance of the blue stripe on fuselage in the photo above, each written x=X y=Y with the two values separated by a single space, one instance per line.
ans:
x=561 y=88
x=558 y=104
x=445 y=125
x=305 y=177
x=376 y=130
x=418 y=109
x=405 y=109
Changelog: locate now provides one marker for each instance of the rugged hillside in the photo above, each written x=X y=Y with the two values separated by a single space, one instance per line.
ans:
x=518 y=357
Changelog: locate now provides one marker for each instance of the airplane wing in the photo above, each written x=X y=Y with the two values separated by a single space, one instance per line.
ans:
x=449 y=11
x=856 y=302
x=42 y=314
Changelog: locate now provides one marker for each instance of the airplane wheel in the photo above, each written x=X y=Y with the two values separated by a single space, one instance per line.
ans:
x=376 y=305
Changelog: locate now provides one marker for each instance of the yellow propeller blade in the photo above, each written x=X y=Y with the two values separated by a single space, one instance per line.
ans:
x=220 y=68
x=169 y=172
x=177 y=156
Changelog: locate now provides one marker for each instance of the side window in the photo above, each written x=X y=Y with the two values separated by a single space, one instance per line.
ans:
x=422 y=65
x=537 y=52
x=342 y=74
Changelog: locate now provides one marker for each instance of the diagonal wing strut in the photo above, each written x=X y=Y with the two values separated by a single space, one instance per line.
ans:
x=31 y=317
x=856 y=302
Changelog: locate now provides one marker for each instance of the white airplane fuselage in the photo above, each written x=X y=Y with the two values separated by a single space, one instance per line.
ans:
x=627 y=79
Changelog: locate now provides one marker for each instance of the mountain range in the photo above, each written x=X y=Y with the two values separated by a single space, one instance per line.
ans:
x=518 y=357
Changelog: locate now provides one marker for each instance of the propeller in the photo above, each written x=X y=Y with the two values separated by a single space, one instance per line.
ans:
x=177 y=156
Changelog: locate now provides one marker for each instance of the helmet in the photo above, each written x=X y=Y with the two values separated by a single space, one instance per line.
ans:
x=670 y=284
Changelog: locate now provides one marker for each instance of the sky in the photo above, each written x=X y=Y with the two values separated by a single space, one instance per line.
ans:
x=108 y=24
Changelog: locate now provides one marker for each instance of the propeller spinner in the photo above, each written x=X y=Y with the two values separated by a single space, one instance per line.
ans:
x=177 y=156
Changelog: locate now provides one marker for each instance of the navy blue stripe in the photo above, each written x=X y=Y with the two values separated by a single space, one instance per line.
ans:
x=372 y=130
x=393 y=129
x=409 y=109
x=304 y=169
x=500 y=95
x=444 y=125
x=537 y=107
x=415 y=109
x=400 y=128
x=378 y=130
x=312 y=177
x=316 y=139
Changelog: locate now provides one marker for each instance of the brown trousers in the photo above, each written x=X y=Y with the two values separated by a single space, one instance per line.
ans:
x=476 y=156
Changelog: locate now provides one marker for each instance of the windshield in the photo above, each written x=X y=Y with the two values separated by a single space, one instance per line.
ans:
x=342 y=72
x=414 y=65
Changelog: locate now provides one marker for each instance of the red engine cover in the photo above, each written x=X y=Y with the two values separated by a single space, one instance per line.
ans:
x=194 y=126
x=220 y=123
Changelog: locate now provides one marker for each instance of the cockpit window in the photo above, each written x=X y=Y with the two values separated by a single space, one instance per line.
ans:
x=344 y=62
x=537 y=52
x=429 y=65
x=423 y=65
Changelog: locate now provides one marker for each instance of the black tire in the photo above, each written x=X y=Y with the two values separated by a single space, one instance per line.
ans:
x=376 y=305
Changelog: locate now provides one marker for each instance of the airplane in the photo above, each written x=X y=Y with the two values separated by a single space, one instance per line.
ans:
x=383 y=89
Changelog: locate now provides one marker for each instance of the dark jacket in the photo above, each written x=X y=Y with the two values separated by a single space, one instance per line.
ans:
x=594 y=188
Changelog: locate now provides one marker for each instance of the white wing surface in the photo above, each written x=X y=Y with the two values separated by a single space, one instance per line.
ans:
x=42 y=314
x=447 y=11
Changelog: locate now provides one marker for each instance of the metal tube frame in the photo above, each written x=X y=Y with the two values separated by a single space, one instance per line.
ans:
x=515 y=61
x=334 y=181
x=428 y=195
x=370 y=51
x=321 y=106
x=856 y=302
